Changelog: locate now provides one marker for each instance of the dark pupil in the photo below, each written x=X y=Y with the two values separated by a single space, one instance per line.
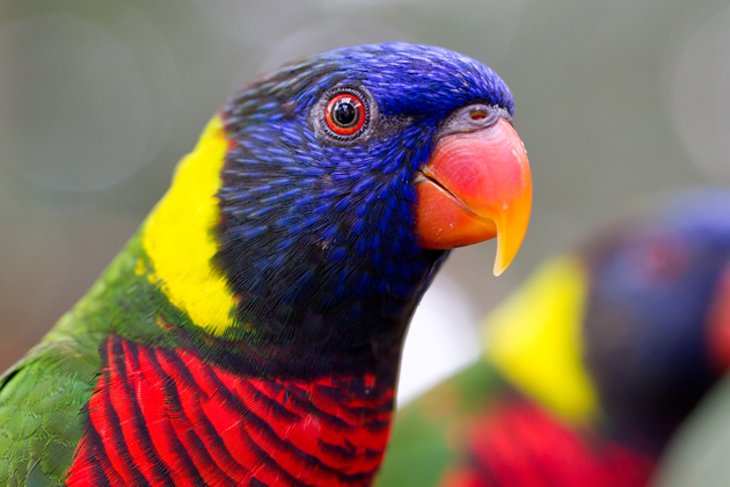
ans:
x=345 y=113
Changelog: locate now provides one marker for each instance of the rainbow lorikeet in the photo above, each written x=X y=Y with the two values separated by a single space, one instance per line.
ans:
x=589 y=368
x=250 y=332
x=698 y=453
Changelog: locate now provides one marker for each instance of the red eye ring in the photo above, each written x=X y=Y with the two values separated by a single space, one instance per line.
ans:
x=345 y=114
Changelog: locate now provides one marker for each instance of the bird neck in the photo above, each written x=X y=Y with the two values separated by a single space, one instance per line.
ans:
x=179 y=240
x=348 y=315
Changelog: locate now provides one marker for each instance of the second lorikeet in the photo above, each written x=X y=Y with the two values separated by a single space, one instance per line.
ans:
x=589 y=368
x=250 y=332
x=698 y=453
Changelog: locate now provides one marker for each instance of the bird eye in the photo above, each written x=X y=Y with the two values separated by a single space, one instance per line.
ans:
x=346 y=114
x=663 y=259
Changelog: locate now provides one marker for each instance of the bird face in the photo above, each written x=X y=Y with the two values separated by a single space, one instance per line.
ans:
x=658 y=307
x=361 y=165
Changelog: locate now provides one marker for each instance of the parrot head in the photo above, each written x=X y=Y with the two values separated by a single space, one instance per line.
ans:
x=340 y=183
x=659 y=306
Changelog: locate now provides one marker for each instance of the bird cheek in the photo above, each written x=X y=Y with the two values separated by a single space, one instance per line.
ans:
x=718 y=325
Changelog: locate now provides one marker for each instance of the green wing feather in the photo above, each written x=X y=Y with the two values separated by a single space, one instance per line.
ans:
x=41 y=413
x=43 y=397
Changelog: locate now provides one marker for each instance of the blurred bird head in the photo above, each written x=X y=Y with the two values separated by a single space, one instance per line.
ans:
x=657 y=332
x=634 y=326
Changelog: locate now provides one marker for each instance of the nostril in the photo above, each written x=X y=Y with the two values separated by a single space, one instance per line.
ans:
x=478 y=114
x=472 y=117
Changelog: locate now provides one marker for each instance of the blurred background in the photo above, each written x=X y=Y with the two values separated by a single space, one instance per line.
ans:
x=617 y=102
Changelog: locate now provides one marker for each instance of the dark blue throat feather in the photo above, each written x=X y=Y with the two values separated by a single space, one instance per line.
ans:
x=318 y=234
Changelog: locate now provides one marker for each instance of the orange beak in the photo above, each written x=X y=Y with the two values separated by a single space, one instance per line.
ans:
x=476 y=186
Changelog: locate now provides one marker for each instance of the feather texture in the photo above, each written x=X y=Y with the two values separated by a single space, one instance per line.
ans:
x=250 y=332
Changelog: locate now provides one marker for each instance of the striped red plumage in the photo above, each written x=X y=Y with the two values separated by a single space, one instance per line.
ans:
x=165 y=417
x=507 y=447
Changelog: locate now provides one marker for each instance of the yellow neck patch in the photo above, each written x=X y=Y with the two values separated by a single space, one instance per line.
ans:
x=179 y=241
x=534 y=338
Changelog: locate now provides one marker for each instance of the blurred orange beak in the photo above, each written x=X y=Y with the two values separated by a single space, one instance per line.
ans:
x=476 y=186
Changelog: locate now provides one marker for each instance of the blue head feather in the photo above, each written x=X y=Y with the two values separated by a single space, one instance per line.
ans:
x=652 y=286
x=317 y=236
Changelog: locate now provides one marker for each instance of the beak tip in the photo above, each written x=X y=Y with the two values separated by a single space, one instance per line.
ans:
x=510 y=235
x=499 y=267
